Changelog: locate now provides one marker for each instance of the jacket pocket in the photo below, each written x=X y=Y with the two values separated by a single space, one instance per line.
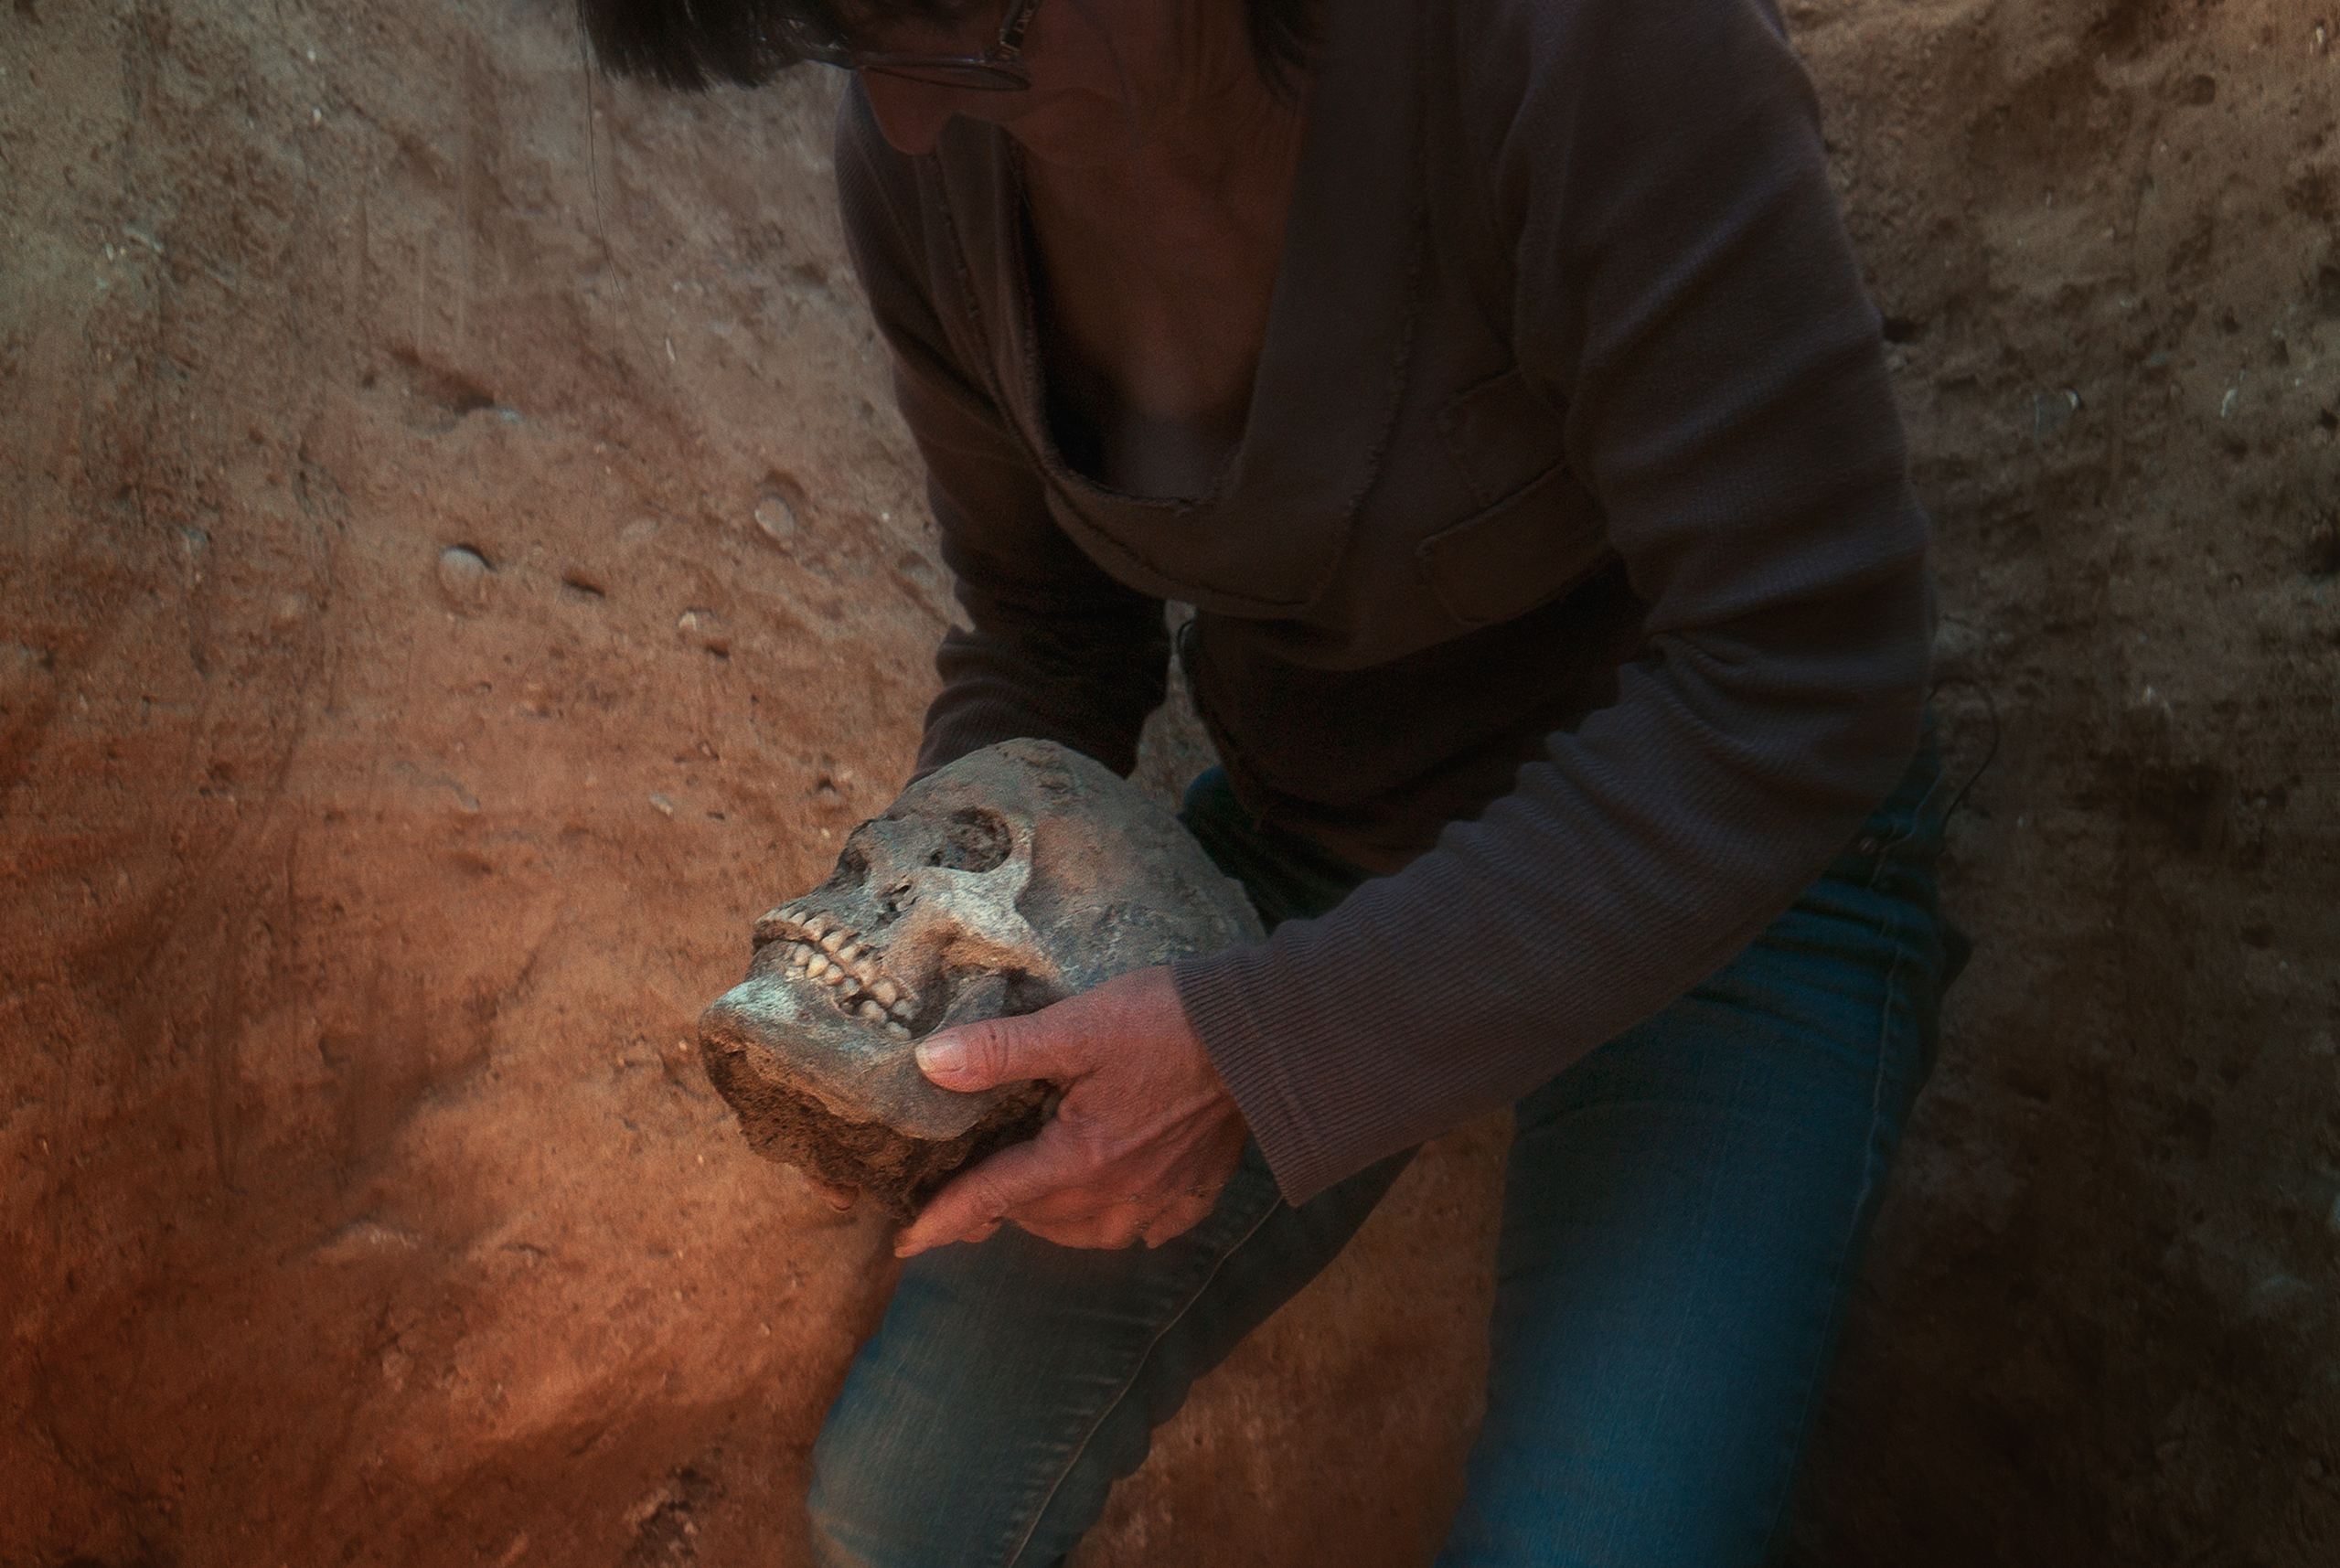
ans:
x=1500 y=435
x=1525 y=550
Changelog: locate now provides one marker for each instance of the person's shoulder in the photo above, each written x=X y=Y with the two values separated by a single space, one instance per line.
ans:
x=1543 y=24
x=1537 y=67
x=1599 y=41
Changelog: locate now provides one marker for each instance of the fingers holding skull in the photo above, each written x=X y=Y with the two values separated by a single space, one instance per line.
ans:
x=991 y=884
x=1145 y=1136
x=1074 y=1216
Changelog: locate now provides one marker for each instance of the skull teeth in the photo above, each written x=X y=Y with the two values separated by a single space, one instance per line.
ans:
x=834 y=956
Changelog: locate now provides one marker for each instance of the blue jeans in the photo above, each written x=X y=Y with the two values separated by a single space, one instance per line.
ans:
x=1684 y=1211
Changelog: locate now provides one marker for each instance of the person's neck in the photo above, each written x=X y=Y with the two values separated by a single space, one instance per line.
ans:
x=1207 y=160
x=1202 y=130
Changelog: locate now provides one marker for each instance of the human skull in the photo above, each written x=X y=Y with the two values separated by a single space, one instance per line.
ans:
x=1014 y=878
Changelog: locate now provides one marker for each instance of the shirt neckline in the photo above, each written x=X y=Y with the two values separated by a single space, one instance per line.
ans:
x=1269 y=535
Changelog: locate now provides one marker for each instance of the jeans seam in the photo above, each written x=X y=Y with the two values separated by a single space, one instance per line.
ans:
x=1883 y=856
x=1870 y=1176
x=1136 y=1367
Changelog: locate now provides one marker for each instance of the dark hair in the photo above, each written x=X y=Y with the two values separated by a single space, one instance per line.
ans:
x=697 y=44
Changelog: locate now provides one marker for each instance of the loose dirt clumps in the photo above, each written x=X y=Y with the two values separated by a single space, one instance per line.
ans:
x=458 y=564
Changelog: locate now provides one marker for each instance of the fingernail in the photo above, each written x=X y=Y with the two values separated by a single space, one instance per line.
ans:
x=940 y=1056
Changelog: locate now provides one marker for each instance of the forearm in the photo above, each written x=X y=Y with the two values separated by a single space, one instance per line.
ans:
x=1054 y=650
x=1650 y=845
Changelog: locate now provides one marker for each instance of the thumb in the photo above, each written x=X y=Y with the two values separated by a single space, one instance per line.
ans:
x=996 y=1050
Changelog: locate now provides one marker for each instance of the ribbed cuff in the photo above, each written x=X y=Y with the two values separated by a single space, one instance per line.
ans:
x=1255 y=1055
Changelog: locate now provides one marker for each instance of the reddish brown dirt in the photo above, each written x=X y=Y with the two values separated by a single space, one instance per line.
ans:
x=363 y=1203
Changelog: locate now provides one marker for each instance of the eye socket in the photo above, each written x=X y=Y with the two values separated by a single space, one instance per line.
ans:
x=853 y=867
x=975 y=840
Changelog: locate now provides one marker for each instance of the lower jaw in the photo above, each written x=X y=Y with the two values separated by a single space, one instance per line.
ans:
x=895 y=1171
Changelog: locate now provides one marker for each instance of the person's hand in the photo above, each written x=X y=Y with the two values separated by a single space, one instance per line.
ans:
x=1143 y=1140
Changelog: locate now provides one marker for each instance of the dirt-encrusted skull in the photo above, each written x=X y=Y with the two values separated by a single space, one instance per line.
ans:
x=1017 y=876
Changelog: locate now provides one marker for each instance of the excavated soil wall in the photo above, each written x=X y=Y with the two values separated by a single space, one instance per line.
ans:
x=458 y=562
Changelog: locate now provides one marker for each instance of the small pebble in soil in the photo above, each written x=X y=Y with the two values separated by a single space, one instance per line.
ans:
x=777 y=519
x=464 y=574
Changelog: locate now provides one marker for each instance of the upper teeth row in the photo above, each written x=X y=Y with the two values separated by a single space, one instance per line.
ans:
x=834 y=954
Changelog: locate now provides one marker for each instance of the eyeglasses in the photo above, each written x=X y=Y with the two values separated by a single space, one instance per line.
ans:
x=999 y=69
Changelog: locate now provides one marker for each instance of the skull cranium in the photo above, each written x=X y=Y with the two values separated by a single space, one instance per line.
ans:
x=1017 y=876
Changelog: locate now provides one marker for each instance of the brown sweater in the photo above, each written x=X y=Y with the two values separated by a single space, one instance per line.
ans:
x=1568 y=569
